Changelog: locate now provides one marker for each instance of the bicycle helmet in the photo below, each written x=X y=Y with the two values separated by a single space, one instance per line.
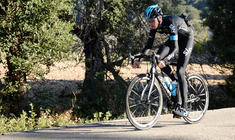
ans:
x=153 y=11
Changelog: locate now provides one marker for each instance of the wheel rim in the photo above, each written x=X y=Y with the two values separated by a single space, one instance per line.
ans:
x=197 y=99
x=143 y=111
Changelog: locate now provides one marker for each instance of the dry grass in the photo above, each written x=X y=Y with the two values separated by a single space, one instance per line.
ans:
x=71 y=71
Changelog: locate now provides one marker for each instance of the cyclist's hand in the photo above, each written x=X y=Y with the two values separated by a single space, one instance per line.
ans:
x=136 y=64
x=161 y=64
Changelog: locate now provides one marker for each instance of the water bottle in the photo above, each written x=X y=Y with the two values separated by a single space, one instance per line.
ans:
x=167 y=82
x=174 y=88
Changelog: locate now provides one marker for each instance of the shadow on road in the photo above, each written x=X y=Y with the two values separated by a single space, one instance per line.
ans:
x=98 y=128
x=98 y=131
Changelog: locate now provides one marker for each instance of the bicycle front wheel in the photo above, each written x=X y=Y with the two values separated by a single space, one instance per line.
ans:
x=142 y=111
x=198 y=98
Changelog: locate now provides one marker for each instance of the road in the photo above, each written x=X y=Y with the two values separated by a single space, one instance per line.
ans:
x=216 y=125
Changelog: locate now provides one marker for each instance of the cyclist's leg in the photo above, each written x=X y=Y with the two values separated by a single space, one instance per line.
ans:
x=163 y=52
x=185 y=50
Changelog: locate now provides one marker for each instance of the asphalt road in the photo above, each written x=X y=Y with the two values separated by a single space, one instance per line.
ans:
x=216 y=125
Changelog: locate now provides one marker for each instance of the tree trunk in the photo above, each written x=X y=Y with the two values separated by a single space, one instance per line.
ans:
x=94 y=75
x=94 y=92
x=17 y=88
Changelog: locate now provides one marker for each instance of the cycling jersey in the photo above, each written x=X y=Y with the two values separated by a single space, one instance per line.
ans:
x=181 y=41
x=175 y=27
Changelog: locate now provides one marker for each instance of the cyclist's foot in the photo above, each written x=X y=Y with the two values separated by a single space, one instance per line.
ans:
x=180 y=112
x=176 y=116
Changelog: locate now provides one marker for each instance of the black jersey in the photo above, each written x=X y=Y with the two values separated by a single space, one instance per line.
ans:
x=175 y=27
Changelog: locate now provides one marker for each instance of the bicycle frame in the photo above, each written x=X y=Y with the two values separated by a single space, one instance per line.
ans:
x=167 y=91
x=155 y=75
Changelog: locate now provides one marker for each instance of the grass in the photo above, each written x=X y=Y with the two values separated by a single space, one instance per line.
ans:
x=29 y=121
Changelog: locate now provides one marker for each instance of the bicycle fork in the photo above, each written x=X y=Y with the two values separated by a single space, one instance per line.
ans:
x=152 y=80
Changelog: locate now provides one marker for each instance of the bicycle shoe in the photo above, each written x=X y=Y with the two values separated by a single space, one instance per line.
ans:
x=176 y=116
x=180 y=112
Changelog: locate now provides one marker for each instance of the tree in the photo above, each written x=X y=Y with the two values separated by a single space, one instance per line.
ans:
x=220 y=19
x=32 y=33
x=200 y=5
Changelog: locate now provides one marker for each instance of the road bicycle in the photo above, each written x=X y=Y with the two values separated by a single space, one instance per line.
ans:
x=144 y=98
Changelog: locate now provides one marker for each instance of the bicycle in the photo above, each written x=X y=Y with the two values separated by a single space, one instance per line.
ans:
x=144 y=98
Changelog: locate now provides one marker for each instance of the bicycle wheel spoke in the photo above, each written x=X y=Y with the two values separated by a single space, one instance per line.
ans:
x=193 y=88
x=137 y=87
x=142 y=85
x=202 y=90
x=153 y=91
x=154 y=111
x=143 y=112
x=135 y=93
x=202 y=95
x=135 y=111
x=155 y=98
x=203 y=104
x=155 y=104
x=200 y=107
x=203 y=100
x=134 y=105
x=131 y=99
x=200 y=87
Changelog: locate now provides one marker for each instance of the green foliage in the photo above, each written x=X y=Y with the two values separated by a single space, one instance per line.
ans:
x=32 y=118
x=14 y=124
x=29 y=121
x=64 y=119
x=200 y=5
x=45 y=119
x=201 y=43
x=220 y=19
x=32 y=33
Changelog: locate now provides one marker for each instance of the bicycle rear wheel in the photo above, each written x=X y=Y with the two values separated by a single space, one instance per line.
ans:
x=198 y=98
x=141 y=111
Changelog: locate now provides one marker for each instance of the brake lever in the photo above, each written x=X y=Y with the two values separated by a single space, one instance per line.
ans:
x=131 y=57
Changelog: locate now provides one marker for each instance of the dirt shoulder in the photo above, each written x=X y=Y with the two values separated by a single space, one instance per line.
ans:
x=71 y=72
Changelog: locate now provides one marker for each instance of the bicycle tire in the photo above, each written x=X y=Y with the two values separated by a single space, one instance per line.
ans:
x=198 y=98
x=143 y=114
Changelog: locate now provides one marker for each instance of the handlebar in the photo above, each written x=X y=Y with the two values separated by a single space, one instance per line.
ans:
x=149 y=56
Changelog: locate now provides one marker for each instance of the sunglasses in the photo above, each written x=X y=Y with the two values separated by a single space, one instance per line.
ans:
x=151 y=20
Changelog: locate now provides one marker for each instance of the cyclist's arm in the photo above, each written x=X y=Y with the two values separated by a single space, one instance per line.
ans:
x=173 y=40
x=150 y=41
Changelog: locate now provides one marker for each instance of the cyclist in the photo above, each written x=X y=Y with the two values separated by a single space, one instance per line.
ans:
x=180 y=41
